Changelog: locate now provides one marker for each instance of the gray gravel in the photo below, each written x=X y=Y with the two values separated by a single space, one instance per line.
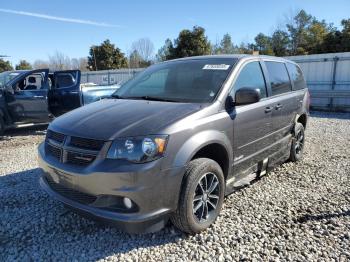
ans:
x=297 y=212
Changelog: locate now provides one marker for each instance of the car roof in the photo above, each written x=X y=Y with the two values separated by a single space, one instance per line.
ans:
x=19 y=71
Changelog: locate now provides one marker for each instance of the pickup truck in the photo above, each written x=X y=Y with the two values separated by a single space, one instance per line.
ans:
x=29 y=97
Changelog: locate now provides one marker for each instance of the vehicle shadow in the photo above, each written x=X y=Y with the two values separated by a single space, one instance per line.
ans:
x=309 y=217
x=37 y=130
x=325 y=114
x=31 y=220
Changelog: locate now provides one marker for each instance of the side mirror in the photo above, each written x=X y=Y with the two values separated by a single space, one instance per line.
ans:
x=246 y=95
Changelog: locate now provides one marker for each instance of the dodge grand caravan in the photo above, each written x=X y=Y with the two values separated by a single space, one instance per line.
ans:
x=173 y=141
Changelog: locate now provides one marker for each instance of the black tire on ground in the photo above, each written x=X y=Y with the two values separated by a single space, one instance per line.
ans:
x=2 y=126
x=296 y=150
x=201 y=198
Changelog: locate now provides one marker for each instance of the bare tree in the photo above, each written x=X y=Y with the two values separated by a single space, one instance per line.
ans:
x=62 y=62
x=74 y=63
x=59 y=61
x=40 y=64
x=135 y=60
x=79 y=63
x=144 y=48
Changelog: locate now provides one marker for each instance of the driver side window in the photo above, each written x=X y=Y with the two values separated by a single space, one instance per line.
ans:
x=33 y=82
x=250 y=76
x=30 y=83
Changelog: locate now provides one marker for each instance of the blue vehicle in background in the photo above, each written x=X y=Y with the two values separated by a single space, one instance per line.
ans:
x=29 y=97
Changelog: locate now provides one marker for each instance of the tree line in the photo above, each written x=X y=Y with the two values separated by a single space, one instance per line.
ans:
x=303 y=34
x=101 y=57
x=57 y=61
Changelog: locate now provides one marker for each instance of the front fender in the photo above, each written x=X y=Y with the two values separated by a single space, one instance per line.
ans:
x=192 y=145
x=200 y=140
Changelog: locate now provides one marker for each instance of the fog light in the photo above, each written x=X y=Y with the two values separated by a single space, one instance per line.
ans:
x=127 y=202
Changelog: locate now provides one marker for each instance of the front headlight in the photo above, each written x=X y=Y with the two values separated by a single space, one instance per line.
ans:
x=138 y=149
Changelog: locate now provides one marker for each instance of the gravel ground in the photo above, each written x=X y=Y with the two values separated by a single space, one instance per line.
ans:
x=297 y=212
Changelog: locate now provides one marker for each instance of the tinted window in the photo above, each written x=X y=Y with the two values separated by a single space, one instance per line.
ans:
x=192 y=80
x=296 y=76
x=65 y=80
x=279 y=78
x=152 y=84
x=251 y=76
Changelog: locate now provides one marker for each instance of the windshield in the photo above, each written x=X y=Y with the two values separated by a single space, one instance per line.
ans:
x=5 y=77
x=195 y=80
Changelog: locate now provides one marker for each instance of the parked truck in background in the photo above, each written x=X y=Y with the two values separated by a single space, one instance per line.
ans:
x=30 y=97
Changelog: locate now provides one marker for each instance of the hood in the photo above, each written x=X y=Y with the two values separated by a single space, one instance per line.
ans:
x=112 y=118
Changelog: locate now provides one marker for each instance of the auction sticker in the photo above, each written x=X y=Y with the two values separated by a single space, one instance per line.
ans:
x=216 y=67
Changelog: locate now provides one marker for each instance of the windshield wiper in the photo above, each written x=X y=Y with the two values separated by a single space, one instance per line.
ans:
x=151 y=98
x=117 y=96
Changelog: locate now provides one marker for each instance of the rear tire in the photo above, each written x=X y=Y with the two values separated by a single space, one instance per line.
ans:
x=201 y=198
x=296 y=150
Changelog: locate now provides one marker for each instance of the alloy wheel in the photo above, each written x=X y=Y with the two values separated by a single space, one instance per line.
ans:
x=299 y=143
x=206 y=197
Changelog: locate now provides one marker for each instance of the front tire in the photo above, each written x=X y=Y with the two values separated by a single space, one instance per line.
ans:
x=296 y=151
x=201 y=198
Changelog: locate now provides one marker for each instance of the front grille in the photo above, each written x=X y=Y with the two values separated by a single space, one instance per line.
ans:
x=71 y=194
x=53 y=151
x=58 y=137
x=72 y=150
x=86 y=143
x=80 y=159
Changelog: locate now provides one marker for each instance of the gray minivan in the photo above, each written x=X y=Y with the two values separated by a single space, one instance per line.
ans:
x=173 y=141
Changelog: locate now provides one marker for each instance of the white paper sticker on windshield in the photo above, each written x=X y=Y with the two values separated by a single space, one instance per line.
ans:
x=216 y=67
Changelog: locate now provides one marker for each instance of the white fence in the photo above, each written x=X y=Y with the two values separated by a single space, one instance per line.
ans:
x=328 y=79
x=109 y=77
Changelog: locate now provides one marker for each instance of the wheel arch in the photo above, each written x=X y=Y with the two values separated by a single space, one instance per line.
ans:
x=302 y=119
x=216 y=152
x=211 y=144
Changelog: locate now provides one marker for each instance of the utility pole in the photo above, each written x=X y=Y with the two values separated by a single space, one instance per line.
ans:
x=93 y=50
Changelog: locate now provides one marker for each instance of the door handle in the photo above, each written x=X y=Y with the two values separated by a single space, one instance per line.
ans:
x=268 y=109
x=38 y=96
x=278 y=106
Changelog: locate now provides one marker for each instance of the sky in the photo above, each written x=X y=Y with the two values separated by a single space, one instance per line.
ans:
x=35 y=29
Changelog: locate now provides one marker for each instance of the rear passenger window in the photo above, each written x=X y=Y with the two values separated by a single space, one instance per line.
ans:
x=296 y=76
x=65 y=80
x=279 y=78
x=251 y=76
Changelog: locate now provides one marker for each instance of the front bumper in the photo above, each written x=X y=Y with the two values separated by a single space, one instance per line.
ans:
x=154 y=191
